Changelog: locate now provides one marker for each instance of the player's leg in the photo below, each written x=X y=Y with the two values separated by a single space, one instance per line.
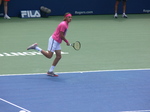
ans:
x=55 y=62
x=6 y=10
x=47 y=54
x=0 y=2
x=124 y=9
x=57 y=48
x=52 y=44
x=57 y=58
x=116 y=8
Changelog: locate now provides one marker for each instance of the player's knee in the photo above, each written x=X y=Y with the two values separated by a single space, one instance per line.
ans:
x=49 y=56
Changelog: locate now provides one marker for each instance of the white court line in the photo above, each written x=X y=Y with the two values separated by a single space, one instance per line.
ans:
x=14 y=105
x=117 y=70
x=137 y=111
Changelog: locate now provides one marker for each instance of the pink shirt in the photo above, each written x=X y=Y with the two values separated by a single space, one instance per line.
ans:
x=63 y=26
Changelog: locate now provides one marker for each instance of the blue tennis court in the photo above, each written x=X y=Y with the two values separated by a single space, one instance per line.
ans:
x=95 y=91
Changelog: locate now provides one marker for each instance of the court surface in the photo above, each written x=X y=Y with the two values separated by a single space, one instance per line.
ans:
x=110 y=73
x=99 y=91
x=107 y=43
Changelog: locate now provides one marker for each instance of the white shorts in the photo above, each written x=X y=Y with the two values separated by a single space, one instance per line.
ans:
x=53 y=45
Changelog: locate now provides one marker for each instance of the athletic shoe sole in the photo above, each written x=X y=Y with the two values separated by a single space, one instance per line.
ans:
x=32 y=46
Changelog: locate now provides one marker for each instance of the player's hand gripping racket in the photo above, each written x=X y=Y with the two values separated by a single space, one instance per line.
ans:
x=76 y=45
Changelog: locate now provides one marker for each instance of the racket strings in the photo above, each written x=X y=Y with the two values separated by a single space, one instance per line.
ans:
x=77 y=45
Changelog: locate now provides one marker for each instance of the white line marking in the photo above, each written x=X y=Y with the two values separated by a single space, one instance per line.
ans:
x=14 y=105
x=137 y=111
x=117 y=70
x=32 y=53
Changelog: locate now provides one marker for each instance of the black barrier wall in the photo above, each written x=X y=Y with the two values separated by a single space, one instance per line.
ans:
x=77 y=7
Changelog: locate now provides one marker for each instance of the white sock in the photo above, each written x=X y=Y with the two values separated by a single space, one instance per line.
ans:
x=38 y=49
x=51 y=69
x=116 y=14
x=124 y=14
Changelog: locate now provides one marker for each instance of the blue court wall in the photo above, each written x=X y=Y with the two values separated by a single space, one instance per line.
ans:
x=77 y=7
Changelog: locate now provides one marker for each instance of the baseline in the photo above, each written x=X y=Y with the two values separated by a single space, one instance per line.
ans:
x=117 y=70
x=14 y=105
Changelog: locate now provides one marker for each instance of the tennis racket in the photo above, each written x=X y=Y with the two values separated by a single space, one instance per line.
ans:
x=76 y=45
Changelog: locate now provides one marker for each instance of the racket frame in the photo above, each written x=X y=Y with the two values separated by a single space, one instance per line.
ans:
x=73 y=45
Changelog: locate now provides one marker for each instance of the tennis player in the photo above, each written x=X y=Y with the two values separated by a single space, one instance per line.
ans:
x=5 y=8
x=54 y=43
x=124 y=8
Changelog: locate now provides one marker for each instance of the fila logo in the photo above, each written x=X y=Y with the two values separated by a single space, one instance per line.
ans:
x=30 y=14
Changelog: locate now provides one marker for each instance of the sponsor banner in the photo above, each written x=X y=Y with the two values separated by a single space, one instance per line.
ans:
x=76 y=7
x=146 y=10
x=30 y=14
x=83 y=12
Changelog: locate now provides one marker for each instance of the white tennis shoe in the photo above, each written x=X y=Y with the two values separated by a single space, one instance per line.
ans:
x=115 y=16
x=6 y=17
x=124 y=16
